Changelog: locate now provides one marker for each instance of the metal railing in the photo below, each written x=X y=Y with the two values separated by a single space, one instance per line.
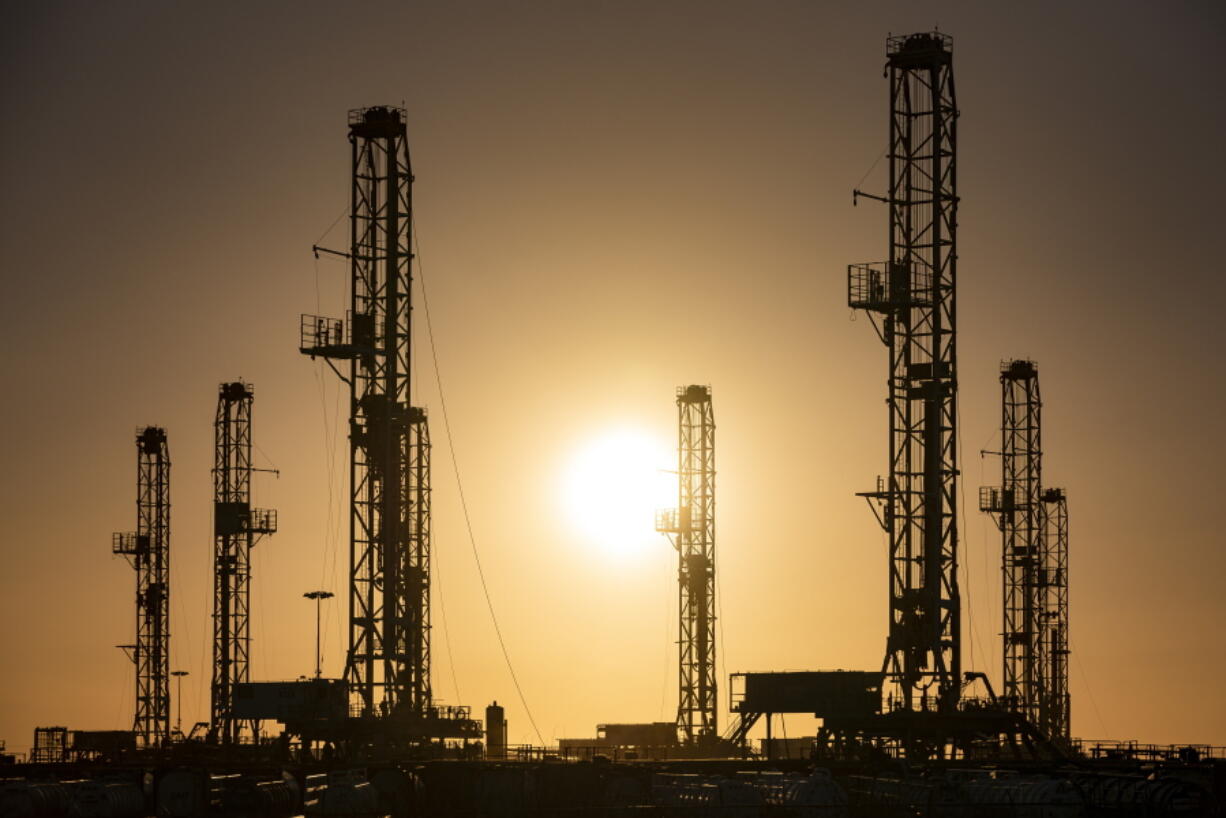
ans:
x=263 y=521
x=668 y=521
x=882 y=286
x=1136 y=751
x=318 y=332
x=992 y=498
x=358 y=115
x=898 y=42
x=129 y=543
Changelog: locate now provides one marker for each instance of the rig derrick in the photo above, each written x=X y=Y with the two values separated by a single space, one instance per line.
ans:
x=148 y=551
x=1033 y=522
x=911 y=298
x=387 y=666
x=236 y=529
x=691 y=529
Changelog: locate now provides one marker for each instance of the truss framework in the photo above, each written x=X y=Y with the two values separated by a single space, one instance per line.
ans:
x=388 y=660
x=913 y=295
x=1055 y=637
x=415 y=568
x=691 y=528
x=1018 y=508
x=236 y=528
x=148 y=551
x=1033 y=521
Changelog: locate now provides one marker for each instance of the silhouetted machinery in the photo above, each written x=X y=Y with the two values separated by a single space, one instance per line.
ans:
x=823 y=693
x=820 y=692
x=148 y=551
x=691 y=529
x=236 y=529
x=628 y=741
x=98 y=745
x=647 y=734
x=387 y=665
x=1033 y=521
x=910 y=299
x=58 y=745
x=292 y=703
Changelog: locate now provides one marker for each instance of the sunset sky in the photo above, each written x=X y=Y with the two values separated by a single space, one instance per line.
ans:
x=612 y=199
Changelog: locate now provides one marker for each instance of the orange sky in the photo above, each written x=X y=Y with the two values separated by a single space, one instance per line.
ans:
x=611 y=200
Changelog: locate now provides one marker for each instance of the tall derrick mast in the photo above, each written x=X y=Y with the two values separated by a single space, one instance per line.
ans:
x=1033 y=521
x=1057 y=716
x=236 y=528
x=416 y=568
x=148 y=551
x=1018 y=510
x=388 y=661
x=691 y=527
x=913 y=293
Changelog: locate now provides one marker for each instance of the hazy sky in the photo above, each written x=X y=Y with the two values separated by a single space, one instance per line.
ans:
x=612 y=199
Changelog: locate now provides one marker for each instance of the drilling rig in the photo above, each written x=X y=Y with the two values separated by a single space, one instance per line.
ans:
x=910 y=299
x=387 y=665
x=691 y=529
x=1033 y=522
x=236 y=529
x=148 y=551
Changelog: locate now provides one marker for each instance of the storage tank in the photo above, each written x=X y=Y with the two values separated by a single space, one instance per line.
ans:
x=398 y=791
x=105 y=799
x=624 y=791
x=495 y=732
x=886 y=794
x=816 y=794
x=1020 y=797
x=182 y=794
x=279 y=797
x=20 y=798
x=1127 y=795
x=345 y=792
x=699 y=796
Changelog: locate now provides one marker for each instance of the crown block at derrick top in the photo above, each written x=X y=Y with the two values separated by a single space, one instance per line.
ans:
x=926 y=48
x=378 y=122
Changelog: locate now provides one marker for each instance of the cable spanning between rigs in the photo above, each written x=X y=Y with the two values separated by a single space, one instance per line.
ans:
x=438 y=378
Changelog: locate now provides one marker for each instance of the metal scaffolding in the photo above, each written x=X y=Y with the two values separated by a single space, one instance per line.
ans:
x=1057 y=711
x=388 y=661
x=1016 y=505
x=236 y=528
x=1033 y=522
x=691 y=528
x=50 y=745
x=416 y=567
x=910 y=299
x=148 y=551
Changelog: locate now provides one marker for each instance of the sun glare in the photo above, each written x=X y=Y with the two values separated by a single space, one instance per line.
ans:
x=613 y=487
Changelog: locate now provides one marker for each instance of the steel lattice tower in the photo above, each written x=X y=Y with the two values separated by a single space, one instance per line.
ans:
x=236 y=528
x=913 y=292
x=416 y=568
x=1056 y=713
x=1033 y=522
x=148 y=551
x=691 y=527
x=1018 y=510
x=388 y=661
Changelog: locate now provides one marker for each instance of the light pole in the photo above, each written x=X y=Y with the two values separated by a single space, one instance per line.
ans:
x=319 y=597
x=179 y=674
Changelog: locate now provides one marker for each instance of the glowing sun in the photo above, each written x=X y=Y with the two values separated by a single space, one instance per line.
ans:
x=613 y=486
